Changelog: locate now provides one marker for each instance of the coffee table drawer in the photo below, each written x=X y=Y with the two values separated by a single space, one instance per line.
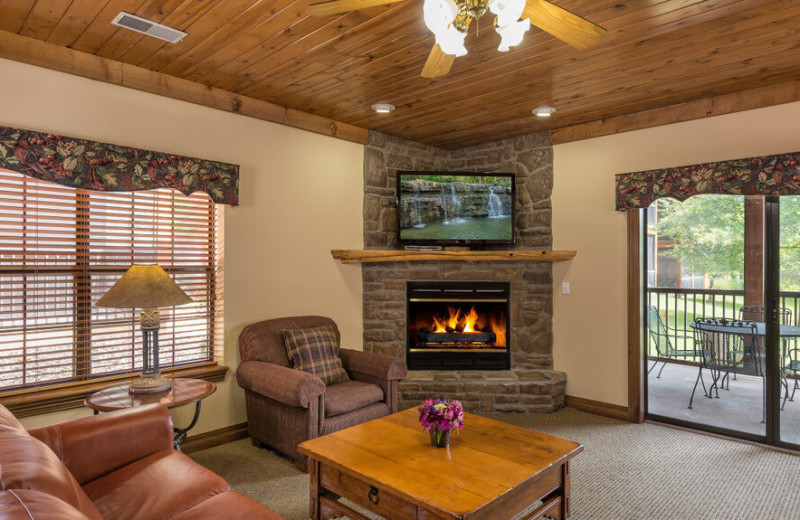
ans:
x=364 y=494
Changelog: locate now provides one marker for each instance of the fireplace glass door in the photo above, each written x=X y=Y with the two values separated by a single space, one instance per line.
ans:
x=458 y=325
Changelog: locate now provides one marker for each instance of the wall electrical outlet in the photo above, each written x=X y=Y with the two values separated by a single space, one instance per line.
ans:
x=564 y=287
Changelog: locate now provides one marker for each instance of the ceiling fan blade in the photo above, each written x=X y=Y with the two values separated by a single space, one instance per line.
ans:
x=568 y=27
x=438 y=63
x=342 y=6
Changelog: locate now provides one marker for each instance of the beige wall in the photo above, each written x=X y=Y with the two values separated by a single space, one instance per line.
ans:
x=590 y=342
x=300 y=196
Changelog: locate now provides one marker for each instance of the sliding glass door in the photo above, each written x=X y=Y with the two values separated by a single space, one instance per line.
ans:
x=702 y=362
x=786 y=311
x=721 y=315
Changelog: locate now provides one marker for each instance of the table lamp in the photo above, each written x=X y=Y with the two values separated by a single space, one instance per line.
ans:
x=146 y=287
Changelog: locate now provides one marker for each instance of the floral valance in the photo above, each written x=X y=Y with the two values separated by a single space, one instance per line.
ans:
x=99 y=166
x=767 y=175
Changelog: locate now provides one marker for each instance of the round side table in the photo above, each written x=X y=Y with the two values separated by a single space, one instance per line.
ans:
x=184 y=391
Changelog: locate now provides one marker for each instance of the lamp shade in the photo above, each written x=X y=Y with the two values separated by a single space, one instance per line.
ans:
x=142 y=287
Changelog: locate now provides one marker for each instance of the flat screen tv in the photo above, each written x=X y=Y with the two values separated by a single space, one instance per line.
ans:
x=453 y=208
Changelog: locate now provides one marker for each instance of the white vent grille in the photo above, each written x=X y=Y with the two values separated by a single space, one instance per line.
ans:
x=141 y=25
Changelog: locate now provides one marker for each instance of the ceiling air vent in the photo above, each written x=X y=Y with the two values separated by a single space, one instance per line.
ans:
x=140 y=25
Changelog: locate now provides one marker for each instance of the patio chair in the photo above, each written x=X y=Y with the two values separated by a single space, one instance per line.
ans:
x=759 y=313
x=727 y=347
x=663 y=337
x=790 y=359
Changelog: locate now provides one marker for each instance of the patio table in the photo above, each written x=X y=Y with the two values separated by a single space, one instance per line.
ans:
x=786 y=332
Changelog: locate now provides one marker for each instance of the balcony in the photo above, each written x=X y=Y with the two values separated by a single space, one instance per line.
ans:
x=740 y=405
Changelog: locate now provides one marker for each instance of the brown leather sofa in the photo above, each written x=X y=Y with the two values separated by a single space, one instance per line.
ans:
x=114 y=466
x=286 y=407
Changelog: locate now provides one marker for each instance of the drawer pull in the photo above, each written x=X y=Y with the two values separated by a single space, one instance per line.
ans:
x=373 y=495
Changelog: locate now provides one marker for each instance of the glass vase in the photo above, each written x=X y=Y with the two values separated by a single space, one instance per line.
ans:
x=440 y=438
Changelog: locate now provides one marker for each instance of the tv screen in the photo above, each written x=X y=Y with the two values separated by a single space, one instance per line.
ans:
x=442 y=208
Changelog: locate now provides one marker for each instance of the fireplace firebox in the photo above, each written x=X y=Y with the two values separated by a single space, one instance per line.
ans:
x=458 y=326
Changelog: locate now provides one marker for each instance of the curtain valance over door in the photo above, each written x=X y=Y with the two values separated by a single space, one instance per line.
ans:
x=768 y=175
x=93 y=165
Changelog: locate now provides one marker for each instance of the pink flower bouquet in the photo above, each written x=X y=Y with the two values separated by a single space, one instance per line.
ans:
x=440 y=418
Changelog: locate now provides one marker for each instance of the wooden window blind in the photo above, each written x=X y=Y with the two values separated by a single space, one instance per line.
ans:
x=62 y=248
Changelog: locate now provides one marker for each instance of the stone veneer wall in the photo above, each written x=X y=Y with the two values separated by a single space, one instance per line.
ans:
x=531 y=385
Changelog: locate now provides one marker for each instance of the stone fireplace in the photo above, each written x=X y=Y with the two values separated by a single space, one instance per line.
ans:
x=528 y=384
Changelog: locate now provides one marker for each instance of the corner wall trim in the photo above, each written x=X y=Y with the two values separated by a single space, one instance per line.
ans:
x=63 y=59
x=213 y=438
x=613 y=411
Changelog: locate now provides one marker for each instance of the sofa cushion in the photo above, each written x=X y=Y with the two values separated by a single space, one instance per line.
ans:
x=228 y=506
x=30 y=504
x=349 y=396
x=315 y=350
x=167 y=482
x=27 y=463
x=346 y=420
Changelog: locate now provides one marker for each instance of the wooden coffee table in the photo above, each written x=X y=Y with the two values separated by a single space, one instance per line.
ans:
x=491 y=470
x=183 y=391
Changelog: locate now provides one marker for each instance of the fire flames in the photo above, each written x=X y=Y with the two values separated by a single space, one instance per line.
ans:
x=456 y=321
x=469 y=321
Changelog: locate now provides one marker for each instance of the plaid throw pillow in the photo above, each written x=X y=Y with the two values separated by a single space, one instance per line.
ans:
x=315 y=351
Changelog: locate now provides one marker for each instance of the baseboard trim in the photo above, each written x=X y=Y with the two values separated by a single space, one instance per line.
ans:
x=213 y=438
x=614 y=411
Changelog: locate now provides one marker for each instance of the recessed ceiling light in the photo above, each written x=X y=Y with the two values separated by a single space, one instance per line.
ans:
x=382 y=108
x=544 y=111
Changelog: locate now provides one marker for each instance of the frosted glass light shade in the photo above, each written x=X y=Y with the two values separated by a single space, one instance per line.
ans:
x=451 y=40
x=512 y=34
x=507 y=11
x=439 y=16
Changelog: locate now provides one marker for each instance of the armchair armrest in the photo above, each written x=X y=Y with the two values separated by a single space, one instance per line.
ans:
x=286 y=385
x=371 y=364
x=94 y=446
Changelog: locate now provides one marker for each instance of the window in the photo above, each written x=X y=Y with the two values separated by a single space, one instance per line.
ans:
x=62 y=248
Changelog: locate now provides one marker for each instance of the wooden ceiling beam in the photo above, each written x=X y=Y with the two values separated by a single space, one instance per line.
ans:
x=760 y=97
x=55 y=57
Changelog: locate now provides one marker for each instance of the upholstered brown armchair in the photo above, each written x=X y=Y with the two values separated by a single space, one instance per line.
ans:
x=286 y=407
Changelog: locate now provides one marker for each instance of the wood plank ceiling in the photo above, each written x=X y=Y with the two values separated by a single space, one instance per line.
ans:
x=657 y=53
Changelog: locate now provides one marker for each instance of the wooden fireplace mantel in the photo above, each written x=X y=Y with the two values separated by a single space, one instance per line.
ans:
x=362 y=256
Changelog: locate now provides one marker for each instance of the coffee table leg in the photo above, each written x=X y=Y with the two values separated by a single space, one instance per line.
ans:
x=313 y=471
x=565 y=506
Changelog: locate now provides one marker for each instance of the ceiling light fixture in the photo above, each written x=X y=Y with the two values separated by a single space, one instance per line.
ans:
x=544 y=111
x=382 y=108
x=449 y=20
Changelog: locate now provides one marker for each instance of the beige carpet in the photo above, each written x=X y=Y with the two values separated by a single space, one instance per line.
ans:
x=626 y=471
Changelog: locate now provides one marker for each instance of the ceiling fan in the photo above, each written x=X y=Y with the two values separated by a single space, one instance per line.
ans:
x=450 y=20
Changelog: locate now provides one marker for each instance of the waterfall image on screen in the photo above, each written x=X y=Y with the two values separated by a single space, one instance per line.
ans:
x=451 y=207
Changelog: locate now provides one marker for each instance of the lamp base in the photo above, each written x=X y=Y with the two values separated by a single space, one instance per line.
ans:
x=149 y=385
